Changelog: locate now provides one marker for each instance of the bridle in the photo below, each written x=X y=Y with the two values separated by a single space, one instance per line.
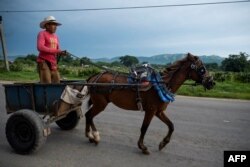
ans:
x=199 y=68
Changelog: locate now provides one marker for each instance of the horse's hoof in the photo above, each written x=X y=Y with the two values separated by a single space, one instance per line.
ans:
x=91 y=140
x=146 y=152
x=96 y=142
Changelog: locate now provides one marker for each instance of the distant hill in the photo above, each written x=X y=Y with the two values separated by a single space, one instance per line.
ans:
x=157 y=59
x=166 y=58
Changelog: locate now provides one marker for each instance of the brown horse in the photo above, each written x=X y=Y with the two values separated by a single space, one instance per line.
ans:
x=191 y=67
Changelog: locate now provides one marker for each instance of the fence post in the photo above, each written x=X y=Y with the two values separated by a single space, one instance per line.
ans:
x=6 y=63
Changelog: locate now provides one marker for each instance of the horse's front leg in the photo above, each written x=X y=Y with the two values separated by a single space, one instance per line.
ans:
x=147 y=119
x=161 y=115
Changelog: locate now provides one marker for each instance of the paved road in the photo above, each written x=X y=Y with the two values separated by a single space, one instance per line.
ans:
x=204 y=128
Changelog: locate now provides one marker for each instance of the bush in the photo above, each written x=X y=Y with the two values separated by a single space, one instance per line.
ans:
x=87 y=72
x=219 y=76
x=223 y=76
x=242 y=77
x=229 y=76
x=16 y=67
x=64 y=71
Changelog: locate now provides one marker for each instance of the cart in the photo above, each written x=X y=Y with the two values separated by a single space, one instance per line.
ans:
x=32 y=107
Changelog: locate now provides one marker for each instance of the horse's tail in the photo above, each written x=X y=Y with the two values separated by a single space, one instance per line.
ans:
x=89 y=102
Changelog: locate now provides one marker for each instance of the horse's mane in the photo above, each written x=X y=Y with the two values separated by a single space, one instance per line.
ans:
x=173 y=68
x=167 y=74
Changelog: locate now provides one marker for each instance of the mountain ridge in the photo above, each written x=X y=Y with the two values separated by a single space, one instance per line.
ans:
x=156 y=59
x=165 y=58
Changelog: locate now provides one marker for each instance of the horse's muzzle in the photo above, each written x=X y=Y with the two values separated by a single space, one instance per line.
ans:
x=208 y=82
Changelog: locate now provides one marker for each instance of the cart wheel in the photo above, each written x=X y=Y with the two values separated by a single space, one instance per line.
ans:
x=70 y=121
x=24 y=131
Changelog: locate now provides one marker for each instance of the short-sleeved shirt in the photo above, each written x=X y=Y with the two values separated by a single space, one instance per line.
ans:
x=48 y=47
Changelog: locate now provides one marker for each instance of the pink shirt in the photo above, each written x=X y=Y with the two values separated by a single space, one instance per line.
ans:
x=48 y=47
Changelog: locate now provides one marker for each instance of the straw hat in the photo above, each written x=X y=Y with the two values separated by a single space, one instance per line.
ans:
x=49 y=19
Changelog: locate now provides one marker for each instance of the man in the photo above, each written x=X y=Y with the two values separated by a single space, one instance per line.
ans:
x=48 y=47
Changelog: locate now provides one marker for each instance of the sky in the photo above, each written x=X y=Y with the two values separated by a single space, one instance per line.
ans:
x=201 y=30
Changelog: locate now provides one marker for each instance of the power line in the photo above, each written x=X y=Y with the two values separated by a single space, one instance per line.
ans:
x=122 y=8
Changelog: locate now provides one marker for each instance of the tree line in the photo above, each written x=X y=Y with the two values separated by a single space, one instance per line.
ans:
x=234 y=68
x=234 y=63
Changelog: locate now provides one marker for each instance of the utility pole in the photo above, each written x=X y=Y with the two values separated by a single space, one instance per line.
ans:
x=6 y=63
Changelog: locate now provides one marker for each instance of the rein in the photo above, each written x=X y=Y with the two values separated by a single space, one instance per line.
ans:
x=101 y=67
x=110 y=70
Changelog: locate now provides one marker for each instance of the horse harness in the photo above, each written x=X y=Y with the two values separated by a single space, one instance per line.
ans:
x=141 y=78
x=135 y=78
x=199 y=67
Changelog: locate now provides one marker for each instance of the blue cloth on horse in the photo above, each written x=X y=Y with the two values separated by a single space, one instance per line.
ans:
x=163 y=92
x=155 y=79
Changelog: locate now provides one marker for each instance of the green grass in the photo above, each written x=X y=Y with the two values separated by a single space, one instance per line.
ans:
x=231 y=90
x=19 y=76
x=30 y=76
x=228 y=89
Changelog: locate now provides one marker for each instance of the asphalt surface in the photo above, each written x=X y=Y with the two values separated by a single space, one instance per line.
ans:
x=204 y=128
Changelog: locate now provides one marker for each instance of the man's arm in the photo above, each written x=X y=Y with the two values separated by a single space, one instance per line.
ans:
x=41 y=45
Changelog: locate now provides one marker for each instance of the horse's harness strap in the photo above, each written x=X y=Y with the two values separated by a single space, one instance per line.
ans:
x=113 y=81
x=107 y=89
x=112 y=87
x=138 y=99
x=98 y=77
x=92 y=88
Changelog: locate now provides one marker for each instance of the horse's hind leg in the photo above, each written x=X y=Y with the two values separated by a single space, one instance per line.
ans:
x=165 y=119
x=147 y=119
x=89 y=122
x=93 y=134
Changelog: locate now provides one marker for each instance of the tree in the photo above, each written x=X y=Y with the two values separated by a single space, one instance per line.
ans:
x=84 y=61
x=116 y=63
x=236 y=63
x=129 y=60
x=31 y=57
x=66 y=59
x=212 y=66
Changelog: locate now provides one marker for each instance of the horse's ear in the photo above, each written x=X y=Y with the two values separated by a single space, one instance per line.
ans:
x=190 y=56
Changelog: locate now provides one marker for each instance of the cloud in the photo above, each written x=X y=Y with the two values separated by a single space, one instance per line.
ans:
x=212 y=29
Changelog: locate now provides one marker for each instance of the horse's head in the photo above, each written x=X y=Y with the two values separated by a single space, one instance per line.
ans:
x=199 y=73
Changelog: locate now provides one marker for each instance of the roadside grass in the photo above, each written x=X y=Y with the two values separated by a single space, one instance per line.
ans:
x=22 y=76
x=31 y=76
x=227 y=89
x=232 y=90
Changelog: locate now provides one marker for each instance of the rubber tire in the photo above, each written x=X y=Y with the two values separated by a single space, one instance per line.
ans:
x=24 y=131
x=70 y=121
